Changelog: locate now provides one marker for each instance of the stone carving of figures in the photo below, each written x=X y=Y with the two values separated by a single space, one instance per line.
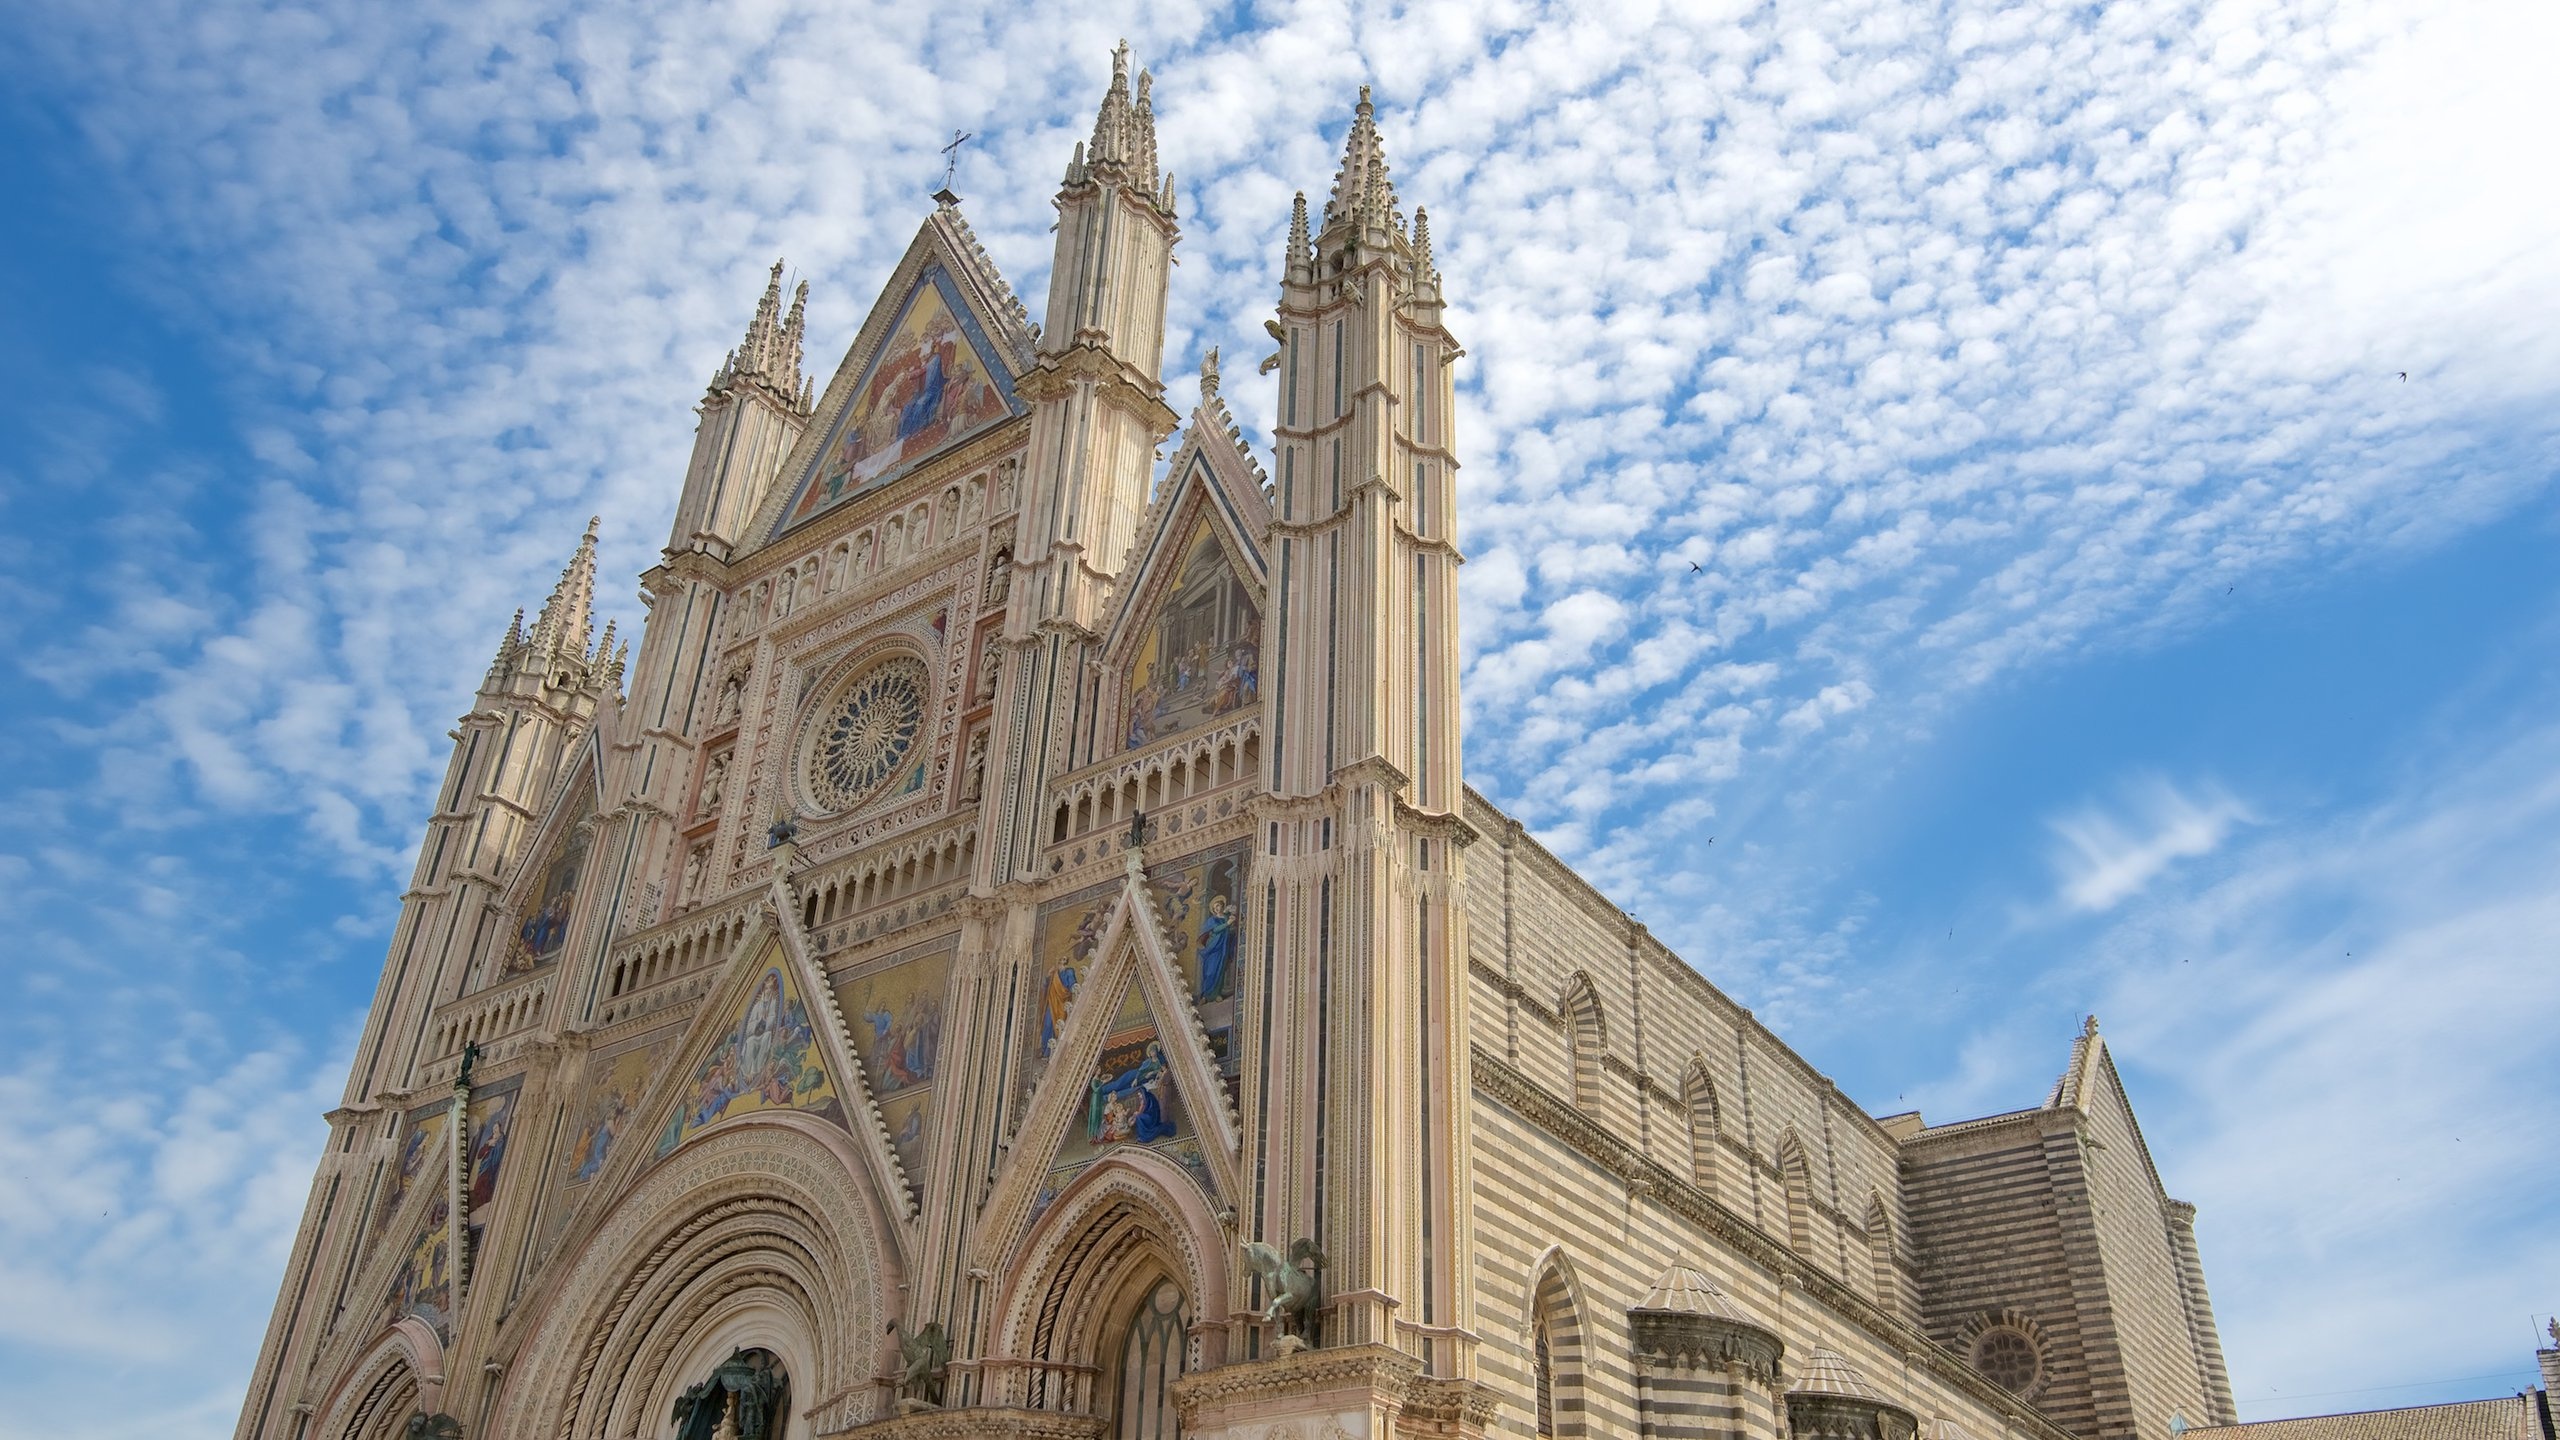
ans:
x=715 y=782
x=730 y=691
x=973 y=781
x=1004 y=491
x=950 y=512
x=835 y=570
x=764 y=597
x=862 y=554
x=808 y=585
x=1000 y=577
x=989 y=659
x=892 y=536
x=973 y=499
x=694 y=863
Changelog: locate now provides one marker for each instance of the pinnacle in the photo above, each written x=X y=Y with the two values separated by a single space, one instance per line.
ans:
x=770 y=353
x=568 y=617
x=1124 y=130
x=1362 y=194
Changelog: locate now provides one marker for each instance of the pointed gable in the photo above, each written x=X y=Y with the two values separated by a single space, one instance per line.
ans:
x=764 y=1057
x=933 y=366
x=1186 y=644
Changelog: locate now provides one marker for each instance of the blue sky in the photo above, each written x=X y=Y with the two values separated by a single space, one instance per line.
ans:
x=2090 y=618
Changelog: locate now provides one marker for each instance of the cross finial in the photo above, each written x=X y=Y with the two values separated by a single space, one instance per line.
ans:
x=951 y=166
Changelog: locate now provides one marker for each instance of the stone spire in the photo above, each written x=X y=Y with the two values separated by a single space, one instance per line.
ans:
x=1124 y=134
x=509 y=646
x=567 y=620
x=1362 y=195
x=1299 y=244
x=1422 y=243
x=770 y=353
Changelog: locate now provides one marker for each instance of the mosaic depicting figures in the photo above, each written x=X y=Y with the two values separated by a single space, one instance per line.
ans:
x=929 y=385
x=607 y=1110
x=424 y=1286
x=543 y=927
x=768 y=1060
x=1202 y=655
x=896 y=1015
x=1200 y=910
x=421 y=1140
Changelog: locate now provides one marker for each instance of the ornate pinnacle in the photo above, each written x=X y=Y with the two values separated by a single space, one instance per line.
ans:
x=508 y=646
x=1209 y=374
x=568 y=617
x=1361 y=192
x=1124 y=130
x=770 y=353
x=1422 y=243
x=1298 y=243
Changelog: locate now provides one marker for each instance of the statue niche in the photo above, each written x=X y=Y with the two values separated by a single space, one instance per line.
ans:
x=749 y=1396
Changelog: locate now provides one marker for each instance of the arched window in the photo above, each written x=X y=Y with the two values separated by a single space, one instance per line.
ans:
x=1587 y=1034
x=1556 y=1352
x=1888 y=1290
x=1706 y=1127
x=1795 y=1176
x=1150 y=1361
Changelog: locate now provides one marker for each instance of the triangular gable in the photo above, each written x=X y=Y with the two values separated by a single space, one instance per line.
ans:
x=934 y=364
x=763 y=1054
x=894 y=1010
x=422 y=1286
x=1186 y=644
x=1099 y=1054
x=541 y=899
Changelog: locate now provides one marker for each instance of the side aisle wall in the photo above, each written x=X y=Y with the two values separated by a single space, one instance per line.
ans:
x=1679 y=1070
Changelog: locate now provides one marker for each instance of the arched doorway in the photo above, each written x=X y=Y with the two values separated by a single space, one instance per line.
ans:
x=747 y=1396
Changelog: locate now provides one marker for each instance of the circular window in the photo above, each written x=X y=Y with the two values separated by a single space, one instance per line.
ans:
x=2007 y=1358
x=864 y=731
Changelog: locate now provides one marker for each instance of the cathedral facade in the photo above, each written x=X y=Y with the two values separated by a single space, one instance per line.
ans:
x=1015 y=954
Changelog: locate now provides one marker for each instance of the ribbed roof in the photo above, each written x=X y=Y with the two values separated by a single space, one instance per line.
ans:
x=1681 y=1290
x=1828 y=1372
x=2504 y=1418
x=1942 y=1428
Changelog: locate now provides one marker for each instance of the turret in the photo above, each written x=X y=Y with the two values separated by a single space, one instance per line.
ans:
x=1362 y=829
x=1095 y=385
x=1097 y=414
x=752 y=414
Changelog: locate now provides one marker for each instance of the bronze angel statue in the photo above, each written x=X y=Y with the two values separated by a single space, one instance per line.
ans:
x=923 y=1356
x=1290 y=1280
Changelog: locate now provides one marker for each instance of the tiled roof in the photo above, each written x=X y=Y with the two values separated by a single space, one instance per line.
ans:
x=2505 y=1418
x=1685 y=1291
x=1827 y=1372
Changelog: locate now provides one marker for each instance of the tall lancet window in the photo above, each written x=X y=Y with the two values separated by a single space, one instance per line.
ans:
x=1150 y=1361
x=1546 y=1381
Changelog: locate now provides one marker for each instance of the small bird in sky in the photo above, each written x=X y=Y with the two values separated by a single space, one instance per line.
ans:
x=1695 y=567
x=2404 y=377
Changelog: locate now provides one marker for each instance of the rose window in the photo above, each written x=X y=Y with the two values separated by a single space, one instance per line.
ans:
x=864 y=733
x=2007 y=1358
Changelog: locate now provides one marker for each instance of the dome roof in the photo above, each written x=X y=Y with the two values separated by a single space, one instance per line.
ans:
x=1828 y=1372
x=1682 y=1290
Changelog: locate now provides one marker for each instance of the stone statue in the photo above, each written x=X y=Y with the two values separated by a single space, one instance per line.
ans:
x=990 y=663
x=1291 y=1281
x=744 y=1396
x=925 y=1353
x=730 y=690
x=715 y=782
x=470 y=1057
x=973 y=782
x=783 y=831
x=693 y=864
x=1000 y=578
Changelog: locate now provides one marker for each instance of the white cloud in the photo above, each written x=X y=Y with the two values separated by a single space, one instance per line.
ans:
x=2107 y=855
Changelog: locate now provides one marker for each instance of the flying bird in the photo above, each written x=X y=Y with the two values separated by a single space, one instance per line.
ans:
x=1695 y=566
x=2404 y=377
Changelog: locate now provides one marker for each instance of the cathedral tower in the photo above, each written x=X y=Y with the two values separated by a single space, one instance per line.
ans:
x=1361 y=837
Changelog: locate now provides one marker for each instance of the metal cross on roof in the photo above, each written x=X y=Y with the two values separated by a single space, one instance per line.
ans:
x=951 y=166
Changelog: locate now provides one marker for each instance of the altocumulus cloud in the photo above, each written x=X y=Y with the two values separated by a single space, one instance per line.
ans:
x=1945 y=338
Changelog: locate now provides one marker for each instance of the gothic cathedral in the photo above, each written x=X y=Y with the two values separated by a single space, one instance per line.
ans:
x=1015 y=954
